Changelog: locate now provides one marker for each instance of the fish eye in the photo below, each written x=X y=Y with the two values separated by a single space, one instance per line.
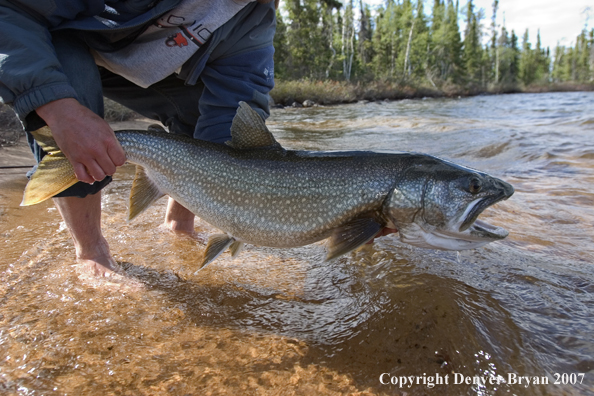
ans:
x=474 y=186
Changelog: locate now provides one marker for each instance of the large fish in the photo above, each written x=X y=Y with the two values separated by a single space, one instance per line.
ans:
x=257 y=192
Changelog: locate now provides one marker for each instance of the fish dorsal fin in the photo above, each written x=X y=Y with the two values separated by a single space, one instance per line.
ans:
x=143 y=193
x=248 y=130
x=351 y=235
x=216 y=245
x=54 y=173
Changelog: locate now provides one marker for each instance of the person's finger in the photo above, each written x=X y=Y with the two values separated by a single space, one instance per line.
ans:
x=81 y=173
x=95 y=170
x=117 y=154
x=106 y=165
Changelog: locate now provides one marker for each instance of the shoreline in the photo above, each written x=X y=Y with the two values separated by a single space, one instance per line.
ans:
x=295 y=93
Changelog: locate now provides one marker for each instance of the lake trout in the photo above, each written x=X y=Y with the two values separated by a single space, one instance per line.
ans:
x=257 y=192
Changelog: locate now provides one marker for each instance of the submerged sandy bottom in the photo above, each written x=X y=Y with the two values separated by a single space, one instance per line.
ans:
x=278 y=321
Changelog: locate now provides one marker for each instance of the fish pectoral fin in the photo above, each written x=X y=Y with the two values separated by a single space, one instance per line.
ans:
x=143 y=193
x=351 y=235
x=216 y=245
x=248 y=130
x=54 y=173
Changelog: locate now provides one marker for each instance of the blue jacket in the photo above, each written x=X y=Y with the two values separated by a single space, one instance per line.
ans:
x=229 y=65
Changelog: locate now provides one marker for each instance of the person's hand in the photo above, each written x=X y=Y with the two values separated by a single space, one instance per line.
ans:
x=86 y=139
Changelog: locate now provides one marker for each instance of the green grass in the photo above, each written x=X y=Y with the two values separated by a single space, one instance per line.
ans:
x=334 y=92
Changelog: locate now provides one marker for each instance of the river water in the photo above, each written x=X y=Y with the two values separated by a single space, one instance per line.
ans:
x=284 y=321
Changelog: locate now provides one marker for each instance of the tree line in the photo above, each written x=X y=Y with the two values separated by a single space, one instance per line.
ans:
x=400 y=41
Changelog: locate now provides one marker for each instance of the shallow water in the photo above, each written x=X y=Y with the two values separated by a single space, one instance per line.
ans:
x=284 y=321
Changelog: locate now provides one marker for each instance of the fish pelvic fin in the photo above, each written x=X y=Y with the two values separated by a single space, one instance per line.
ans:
x=54 y=173
x=351 y=235
x=143 y=193
x=216 y=245
x=248 y=130
x=236 y=248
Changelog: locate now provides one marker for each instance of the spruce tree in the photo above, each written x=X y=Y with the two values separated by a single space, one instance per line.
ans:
x=472 y=51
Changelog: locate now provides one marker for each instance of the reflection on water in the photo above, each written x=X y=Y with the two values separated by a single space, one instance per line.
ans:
x=284 y=321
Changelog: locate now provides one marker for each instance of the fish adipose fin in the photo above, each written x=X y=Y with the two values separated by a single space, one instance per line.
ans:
x=249 y=131
x=143 y=193
x=217 y=244
x=351 y=235
x=54 y=173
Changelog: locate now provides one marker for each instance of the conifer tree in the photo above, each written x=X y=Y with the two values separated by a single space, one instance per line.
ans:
x=472 y=51
x=348 y=41
x=385 y=41
x=509 y=58
x=406 y=30
x=559 y=59
x=418 y=56
x=494 y=49
x=308 y=56
x=281 y=51
x=324 y=39
x=447 y=45
x=436 y=41
x=527 y=61
x=329 y=27
x=364 y=34
x=541 y=59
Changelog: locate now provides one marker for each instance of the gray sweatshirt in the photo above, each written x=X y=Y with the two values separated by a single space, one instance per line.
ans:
x=167 y=44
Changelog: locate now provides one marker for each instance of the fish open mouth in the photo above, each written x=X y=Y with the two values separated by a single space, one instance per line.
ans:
x=478 y=228
x=485 y=230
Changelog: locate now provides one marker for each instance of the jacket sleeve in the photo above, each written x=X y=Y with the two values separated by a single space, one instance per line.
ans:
x=30 y=73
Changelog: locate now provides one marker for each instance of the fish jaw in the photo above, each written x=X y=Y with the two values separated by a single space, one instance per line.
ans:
x=477 y=235
x=441 y=210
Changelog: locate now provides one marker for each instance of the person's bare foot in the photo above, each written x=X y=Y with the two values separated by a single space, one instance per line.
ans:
x=105 y=273
x=101 y=266
x=179 y=219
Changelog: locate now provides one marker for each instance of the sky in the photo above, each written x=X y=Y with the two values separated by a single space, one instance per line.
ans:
x=559 y=21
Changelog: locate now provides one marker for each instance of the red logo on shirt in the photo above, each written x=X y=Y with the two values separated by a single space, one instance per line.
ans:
x=177 y=40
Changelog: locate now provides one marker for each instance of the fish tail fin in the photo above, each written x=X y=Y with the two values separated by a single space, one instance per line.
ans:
x=45 y=139
x=54 y=173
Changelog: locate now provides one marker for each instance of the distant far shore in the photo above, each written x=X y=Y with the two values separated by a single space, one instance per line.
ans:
x=307 y=93
x=296 y=93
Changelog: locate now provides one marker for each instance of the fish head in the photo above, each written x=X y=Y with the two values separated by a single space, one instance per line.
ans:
x=435 y=204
